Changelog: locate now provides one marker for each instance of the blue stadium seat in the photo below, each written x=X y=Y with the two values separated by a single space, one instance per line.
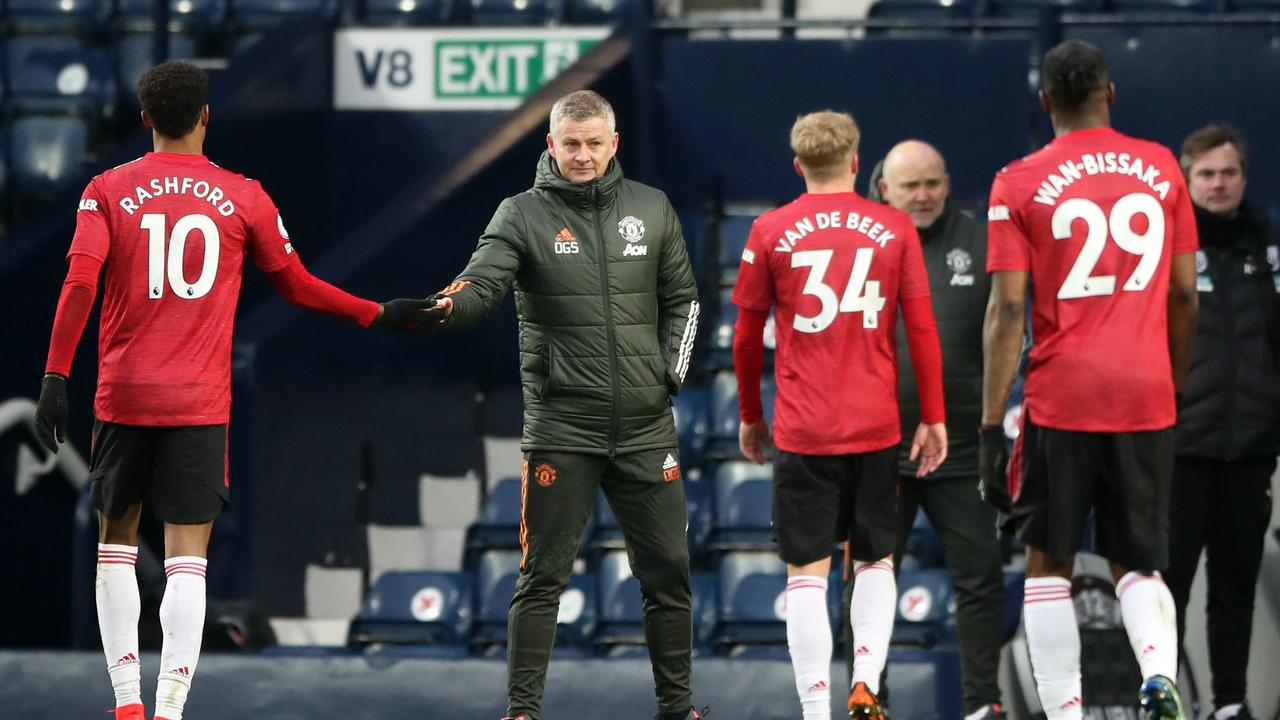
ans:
x=495 y=582
x=516 y=12
x=692 y=424
x=599 y=12
x=45 y=155
x=1177 y=7
x=577 y=617
x=408 y=12
x=191 y=16
x=724 y=412
x=733 y=233
x=258 y=15
x=57 y=75
x=723 y=330
x=498 y=526
x=27 y=16
x=926 y=612
x=1013 y=582
x=910 y=13
x=752 y=599
x=744 y=507
x=496 y=577
x=4 y=180
x=422 y=608
x=133 y=58
x=1030 y=9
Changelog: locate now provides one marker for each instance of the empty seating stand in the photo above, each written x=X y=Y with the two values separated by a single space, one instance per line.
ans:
x=598 y=12
x=409 y=12
x=496 y=577
x=516 y=12
x=57 y=75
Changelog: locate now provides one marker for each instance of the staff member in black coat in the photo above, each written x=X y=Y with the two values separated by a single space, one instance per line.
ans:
x=915 y=181
x=1228 y=431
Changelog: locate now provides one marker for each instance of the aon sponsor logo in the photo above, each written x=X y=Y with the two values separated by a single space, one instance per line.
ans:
x=635 y=250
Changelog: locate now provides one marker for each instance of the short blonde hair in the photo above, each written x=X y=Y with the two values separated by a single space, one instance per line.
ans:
x=824 y=142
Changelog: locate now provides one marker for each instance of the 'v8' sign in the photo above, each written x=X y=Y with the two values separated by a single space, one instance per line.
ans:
x=451 y=69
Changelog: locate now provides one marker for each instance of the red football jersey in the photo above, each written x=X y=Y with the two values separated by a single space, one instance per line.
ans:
x=834 y=267
x=1095 y=218
x=172 y=231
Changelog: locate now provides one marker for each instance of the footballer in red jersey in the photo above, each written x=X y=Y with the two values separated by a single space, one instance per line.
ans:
x=168 y=233
x=835 y=268
x=1099 y=226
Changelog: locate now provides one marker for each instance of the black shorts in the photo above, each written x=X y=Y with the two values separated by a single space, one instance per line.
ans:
x=1124 y=478
x=179 y=473
x=819 y=500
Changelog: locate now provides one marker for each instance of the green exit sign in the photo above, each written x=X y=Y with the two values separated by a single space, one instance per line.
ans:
x=501 y=69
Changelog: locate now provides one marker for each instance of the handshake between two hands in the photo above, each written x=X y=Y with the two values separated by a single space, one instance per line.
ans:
x=413 y=315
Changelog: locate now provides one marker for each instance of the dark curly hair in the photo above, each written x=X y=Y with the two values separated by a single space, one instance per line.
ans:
x=1072 y=72
x=172 y=94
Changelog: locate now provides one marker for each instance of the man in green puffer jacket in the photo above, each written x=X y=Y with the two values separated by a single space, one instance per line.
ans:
x=608 y=311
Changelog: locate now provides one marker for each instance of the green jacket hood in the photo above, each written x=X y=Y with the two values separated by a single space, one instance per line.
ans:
x=600 y=191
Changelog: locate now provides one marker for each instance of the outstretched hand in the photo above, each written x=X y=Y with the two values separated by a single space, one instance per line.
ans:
x=413 y=315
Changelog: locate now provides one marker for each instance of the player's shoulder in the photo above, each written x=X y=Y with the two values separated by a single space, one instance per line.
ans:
x=1149 y=149
x=886 y=214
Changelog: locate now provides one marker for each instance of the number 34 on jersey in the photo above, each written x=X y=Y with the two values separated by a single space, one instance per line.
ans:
x=859 y=295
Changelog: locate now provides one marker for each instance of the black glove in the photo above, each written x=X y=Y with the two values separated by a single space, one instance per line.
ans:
x=411 y=315
x=51 y=412
x=993 y=468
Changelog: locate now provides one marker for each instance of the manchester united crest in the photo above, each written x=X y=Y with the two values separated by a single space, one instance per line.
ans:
x=959 y=260
x=631 y=228
x=544 y=474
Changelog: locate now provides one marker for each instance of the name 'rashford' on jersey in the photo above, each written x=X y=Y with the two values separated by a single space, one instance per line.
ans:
x=1095 y=218
x=172 y=231
x=834 y=267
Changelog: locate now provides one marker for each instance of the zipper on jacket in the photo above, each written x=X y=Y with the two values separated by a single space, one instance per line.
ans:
x=608 y=318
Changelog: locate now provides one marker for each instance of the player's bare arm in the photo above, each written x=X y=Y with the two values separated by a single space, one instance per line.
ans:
x=1184 y=304
x=1002 y=342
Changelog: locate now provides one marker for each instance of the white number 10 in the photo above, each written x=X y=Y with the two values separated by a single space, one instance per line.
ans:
x=1080 y=282
x=153 y=223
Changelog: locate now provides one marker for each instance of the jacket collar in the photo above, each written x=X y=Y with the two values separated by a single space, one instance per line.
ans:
x=1246 y=230
x=599 y=193
x=941 y=226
